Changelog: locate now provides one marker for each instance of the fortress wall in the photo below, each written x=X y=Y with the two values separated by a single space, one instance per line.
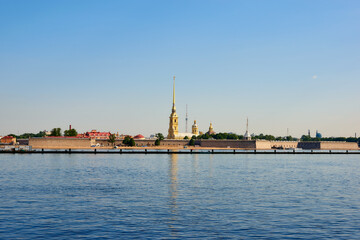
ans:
x=163 y=143
x=227 y=143
x=309 y=145
x=339 y=146
x=174 y=143
x=146 y=142
x=49 y=142
x=329 y=145
x=284 y=144
x=261 y=144
x=106 y=143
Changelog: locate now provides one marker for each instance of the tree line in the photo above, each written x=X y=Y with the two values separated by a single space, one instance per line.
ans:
x=307 y=138
x=55 y=132
x=233 y=136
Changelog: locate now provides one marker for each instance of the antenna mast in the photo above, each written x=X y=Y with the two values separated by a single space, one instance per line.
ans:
x=186 y=119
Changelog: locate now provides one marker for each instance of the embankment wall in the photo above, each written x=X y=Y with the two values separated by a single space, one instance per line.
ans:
x=339 y=145
x=49 y=142
x=146 y=143
x=329 y=145
x=227 y=143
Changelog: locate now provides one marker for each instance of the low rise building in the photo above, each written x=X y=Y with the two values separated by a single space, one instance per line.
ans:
x=8 y=140
x=94 y=135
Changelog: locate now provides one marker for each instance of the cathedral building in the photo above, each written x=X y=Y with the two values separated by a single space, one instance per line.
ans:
x=173 y=132
x=211 y=129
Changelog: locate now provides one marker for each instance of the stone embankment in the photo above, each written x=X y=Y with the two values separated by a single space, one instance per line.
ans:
x=66 y=143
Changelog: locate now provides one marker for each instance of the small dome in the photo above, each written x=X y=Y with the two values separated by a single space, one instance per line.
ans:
x=139 y=136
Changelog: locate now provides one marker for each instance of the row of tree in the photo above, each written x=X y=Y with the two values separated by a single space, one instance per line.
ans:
x=307 y=138
x=56 y=132
x=217 y=136
x=28 y=135
x=273 y=138
x=261 y=136
x=233 y=136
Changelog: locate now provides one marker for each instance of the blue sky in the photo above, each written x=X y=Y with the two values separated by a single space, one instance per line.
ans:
x=108 y=65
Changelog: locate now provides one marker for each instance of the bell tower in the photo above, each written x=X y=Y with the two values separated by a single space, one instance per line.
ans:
x=195 y=129
x=174 y=124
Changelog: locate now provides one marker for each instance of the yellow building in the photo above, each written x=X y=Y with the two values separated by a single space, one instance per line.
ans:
x=195 y=129
x=211 y=129
x=173 y=132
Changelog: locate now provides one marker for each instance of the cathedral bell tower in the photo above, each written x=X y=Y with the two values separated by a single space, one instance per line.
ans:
x=174 y=124
x=195 y=129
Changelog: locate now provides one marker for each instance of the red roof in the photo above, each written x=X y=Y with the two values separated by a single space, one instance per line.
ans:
x=94 y=134
x=139 y=136
x=8 y=137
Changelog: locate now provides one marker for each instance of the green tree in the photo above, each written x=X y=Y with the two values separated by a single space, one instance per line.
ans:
x=126 y=140
x=159 y=136
x=351 y=139
x=112 y=139
x=192 y=142
x=70 y=133
x=132 y=142
x=232 y=136
x=186 y=137
x=129 y=141
x=270 y=137
x=289 y=138
x=305 y=138
x=56 y=132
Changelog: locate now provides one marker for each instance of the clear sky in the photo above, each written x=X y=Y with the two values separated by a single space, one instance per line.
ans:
x=108 y=65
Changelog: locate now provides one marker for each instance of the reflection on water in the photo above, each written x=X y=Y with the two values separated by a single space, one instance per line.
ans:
x=173 y=192
x=211 y=165
x=195 y=169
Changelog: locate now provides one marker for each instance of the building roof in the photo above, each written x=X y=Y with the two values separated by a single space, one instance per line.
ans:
x=139 y=136
x=8 y=137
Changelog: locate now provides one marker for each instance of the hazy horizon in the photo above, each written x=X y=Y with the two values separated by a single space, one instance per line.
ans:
x=109 y=66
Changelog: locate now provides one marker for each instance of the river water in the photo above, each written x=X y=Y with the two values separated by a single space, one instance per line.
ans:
x=179 y=196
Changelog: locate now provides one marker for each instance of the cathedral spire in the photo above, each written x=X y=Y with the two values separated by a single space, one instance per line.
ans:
x=174 y=94
x=247 y=124
x=247 y=135
x=173 y=125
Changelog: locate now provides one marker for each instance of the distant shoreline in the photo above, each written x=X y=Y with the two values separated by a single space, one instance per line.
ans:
x=172 y=150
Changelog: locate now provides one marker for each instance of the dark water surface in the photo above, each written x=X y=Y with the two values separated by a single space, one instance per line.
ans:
x=180 y=196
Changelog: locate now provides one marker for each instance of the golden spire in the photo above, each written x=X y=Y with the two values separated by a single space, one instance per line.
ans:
x=174 y=92
x=174 y=108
